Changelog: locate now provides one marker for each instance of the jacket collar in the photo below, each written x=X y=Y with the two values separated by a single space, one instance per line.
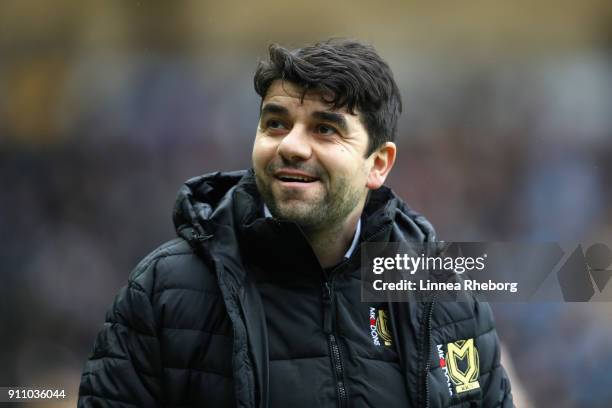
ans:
x=354 y=242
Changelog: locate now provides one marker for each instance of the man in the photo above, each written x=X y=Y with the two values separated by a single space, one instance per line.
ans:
x=257 y=303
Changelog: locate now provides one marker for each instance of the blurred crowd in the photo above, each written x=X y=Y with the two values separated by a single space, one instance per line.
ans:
x=95 y=143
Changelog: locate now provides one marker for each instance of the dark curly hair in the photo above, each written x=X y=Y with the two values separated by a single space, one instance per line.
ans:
x=352 y=72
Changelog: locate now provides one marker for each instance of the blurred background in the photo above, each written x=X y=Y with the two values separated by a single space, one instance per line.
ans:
x=108 y=106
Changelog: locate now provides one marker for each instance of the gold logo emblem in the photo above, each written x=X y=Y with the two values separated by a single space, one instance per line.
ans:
x=382 y=327
x=463 y=365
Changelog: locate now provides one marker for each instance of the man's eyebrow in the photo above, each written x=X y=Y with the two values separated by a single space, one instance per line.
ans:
x=332 y=117
x=327 y=116
x=274 y=108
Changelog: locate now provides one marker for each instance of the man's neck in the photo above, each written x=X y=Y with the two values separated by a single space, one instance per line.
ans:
x=333 y=244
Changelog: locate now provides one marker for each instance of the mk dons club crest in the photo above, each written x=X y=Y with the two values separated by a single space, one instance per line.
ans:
x=379 y=327
x=460 y=365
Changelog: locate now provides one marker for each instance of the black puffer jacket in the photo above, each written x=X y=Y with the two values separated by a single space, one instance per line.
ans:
x=189 y=328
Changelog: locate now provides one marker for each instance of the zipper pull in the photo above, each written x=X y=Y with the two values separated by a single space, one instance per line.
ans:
x=327 y=308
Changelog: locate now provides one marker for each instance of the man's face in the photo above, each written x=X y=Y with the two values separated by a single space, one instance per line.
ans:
x=309 y=160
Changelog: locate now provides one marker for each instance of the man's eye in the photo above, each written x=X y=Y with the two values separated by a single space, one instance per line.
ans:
x=325 y=130
x=274 y=124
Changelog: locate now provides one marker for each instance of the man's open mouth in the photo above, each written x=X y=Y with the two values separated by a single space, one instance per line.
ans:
x=296 y=179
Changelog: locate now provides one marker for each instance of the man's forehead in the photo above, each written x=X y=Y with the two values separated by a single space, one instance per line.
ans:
x=289 y=92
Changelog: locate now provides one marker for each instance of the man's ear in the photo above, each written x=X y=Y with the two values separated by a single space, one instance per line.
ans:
x=381 y=162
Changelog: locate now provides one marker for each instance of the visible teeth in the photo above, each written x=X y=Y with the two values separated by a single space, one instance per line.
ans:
x=297 y=178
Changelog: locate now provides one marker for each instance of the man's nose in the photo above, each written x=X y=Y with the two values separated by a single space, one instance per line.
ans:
x=295 y=146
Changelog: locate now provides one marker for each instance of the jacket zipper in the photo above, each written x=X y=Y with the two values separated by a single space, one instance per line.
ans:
x=328 y=328
x=427 y=346
x=334 y=347
x=427 y=350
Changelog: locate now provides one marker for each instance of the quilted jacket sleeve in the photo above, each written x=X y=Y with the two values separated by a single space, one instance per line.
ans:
x=124 y=368
x=495 y=382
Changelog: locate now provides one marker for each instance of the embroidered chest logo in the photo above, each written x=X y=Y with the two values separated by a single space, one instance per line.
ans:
x=379 y=327
x=460 y=365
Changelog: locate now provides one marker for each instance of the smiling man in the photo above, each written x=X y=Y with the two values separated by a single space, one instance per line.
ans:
x=314 y=165
x=257 y=302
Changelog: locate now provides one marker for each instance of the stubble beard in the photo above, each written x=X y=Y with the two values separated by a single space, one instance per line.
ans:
x=326 y=213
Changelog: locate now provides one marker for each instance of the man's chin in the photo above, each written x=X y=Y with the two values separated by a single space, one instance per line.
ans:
x=303 y=215
x=291 y=212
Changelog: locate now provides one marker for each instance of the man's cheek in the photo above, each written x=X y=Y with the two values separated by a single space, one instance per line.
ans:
x=258 y=161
